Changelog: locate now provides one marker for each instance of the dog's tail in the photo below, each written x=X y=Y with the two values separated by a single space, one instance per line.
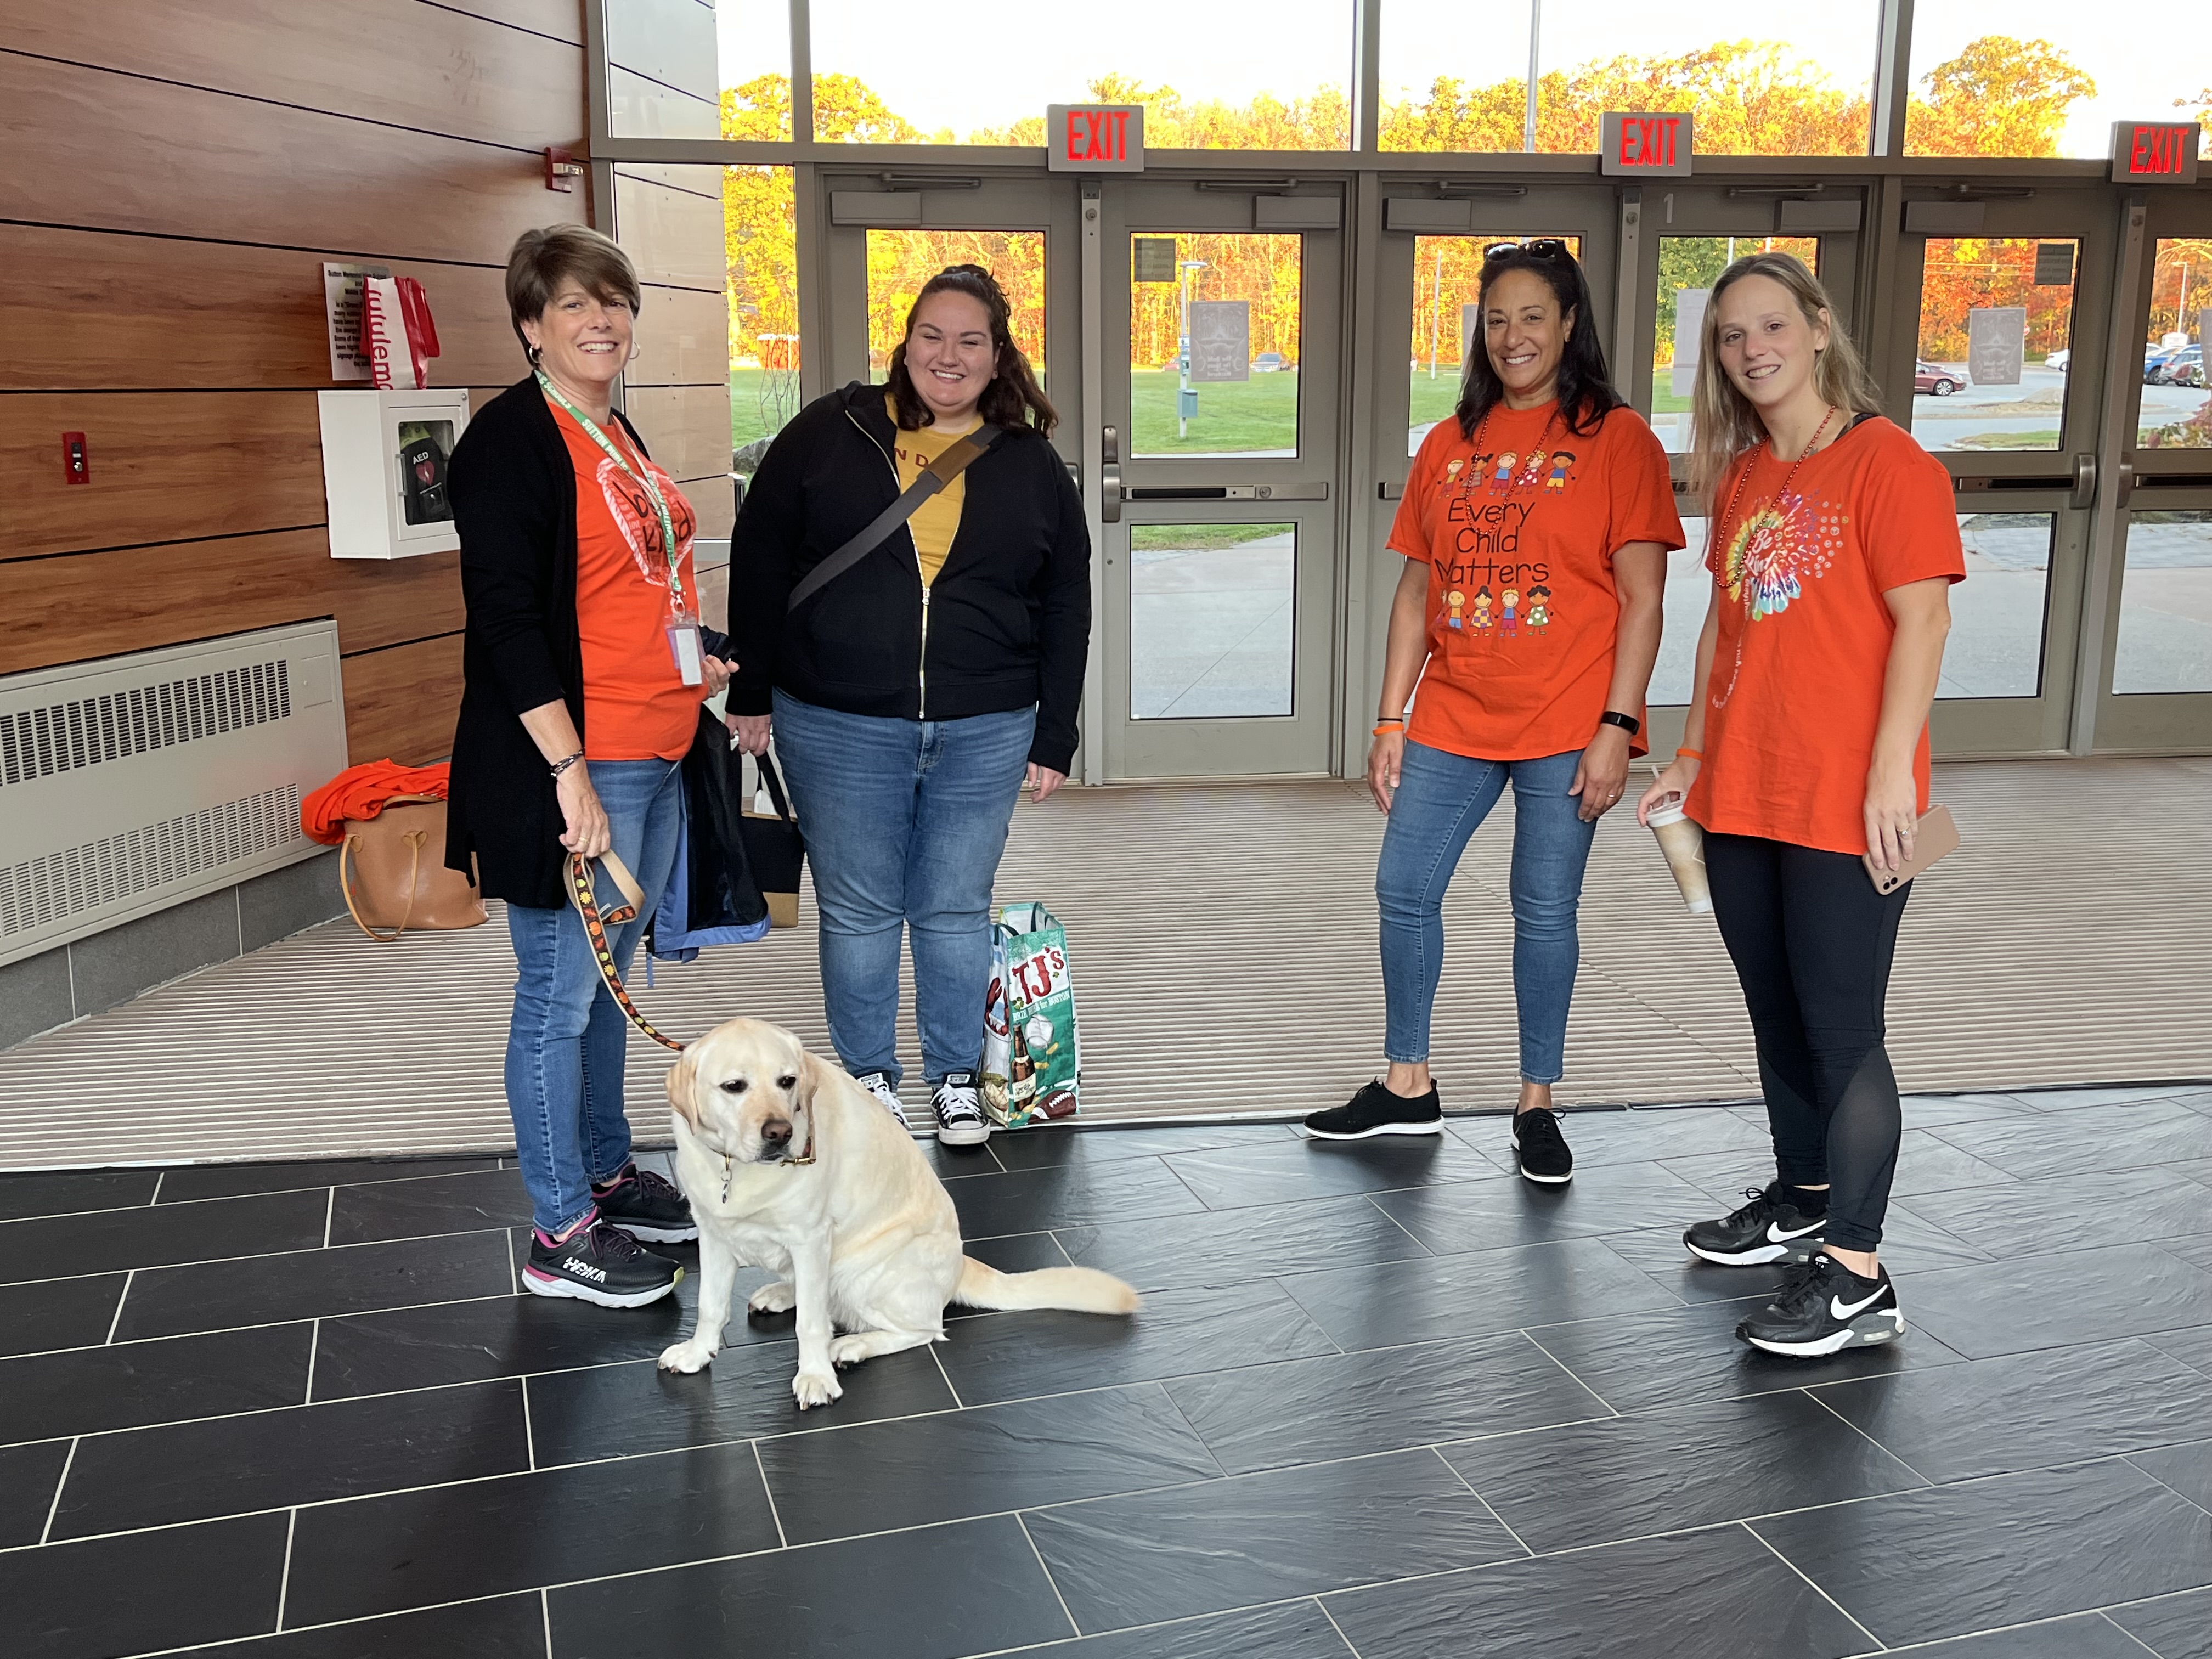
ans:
x=1078 y=1289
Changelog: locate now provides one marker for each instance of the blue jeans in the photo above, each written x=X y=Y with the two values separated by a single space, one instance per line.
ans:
x=565 y=1049
x=904 y=822
x=1442 y=800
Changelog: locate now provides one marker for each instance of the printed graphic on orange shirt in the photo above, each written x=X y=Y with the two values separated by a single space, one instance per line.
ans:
x=633 y=514
x=1486 y=502
x=1780 y=546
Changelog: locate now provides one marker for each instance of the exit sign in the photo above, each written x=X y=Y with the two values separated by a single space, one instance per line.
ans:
x=1095 y=137
x=1643 y=145
x=2154 y=152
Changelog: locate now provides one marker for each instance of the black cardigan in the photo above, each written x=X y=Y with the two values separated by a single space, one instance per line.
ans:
x=514 y=491
x=1008 y=620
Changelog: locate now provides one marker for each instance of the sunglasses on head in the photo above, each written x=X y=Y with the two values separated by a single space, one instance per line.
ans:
x=1542 y=248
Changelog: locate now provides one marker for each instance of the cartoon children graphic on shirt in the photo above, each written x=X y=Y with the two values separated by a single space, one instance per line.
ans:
x=1455 y=603
x=1451 y=473
x=1528 y=471
x=1511 y=600
x=1540 y=608
x=1482 y=603
x=1503 y=476
x=1561 y=460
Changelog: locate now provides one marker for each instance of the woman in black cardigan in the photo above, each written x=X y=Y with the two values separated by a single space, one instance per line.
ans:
x=913 y=694
x=583 y=669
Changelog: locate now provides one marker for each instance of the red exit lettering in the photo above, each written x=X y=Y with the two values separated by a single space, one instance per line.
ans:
x=1098 y=135
x=2157 y=150
x=1650 y=141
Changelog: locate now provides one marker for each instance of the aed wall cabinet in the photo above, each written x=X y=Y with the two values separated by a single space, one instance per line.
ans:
x=385 y=456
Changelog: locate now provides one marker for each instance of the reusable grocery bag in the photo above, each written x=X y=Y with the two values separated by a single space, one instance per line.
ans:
x=1032 y=1063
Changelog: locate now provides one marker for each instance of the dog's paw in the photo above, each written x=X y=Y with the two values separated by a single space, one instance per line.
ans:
x=687 y=1358
x=847 y=1351
x=816 y=1389
x=775 y=1298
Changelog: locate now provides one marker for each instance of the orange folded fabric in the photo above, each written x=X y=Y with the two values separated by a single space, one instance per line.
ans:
x=360 y=791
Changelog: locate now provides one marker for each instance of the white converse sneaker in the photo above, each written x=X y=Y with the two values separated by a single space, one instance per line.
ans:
x=879 y=1084
x=960 y=1119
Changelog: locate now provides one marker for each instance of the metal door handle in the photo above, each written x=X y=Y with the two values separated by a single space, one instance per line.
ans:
x=1311 y=490
x=1109 y=476
x=2084 y=481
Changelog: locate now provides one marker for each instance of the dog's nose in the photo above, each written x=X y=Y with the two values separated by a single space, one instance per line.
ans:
x=776 y=1132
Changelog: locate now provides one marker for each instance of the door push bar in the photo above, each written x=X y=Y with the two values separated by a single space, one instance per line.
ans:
x=1109 y=476
x=1311 y=490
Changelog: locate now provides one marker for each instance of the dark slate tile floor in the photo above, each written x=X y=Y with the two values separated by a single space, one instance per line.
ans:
x=1383 y=1402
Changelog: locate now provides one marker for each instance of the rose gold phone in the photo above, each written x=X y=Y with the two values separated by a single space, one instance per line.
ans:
x=1935 y=835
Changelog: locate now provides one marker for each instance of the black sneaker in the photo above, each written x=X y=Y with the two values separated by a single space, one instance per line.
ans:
x=1768 y=1229
x=1822 y=1308
x=879 y=1084
x=1542 y=1149
x=645 y=1206
x=959 y=1110
x=598 y=1262
x=1375 y=1111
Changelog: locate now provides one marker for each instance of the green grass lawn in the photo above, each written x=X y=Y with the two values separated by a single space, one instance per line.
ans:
x=1235 y=418
x=751 y=417
x=1192 y=538
x=1432 y=399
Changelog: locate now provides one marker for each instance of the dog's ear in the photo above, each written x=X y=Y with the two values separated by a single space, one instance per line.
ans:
x=681 y=1095
x=815 y=1074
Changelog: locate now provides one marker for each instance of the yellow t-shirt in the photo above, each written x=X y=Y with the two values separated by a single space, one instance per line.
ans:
x=937 y=520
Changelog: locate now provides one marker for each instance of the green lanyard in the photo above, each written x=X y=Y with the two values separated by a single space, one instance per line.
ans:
x=645 y=481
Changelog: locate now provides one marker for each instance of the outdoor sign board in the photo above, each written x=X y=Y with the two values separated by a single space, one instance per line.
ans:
x=2054 y=265
x=1996 y=344
x=1689 y=338
x=2154 y=152
x=1656 y=145
x=1220 y=339
x=1153 y=259
x=1094 y=137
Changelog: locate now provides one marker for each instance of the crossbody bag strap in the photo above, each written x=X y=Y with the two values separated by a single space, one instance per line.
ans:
x=934 y=477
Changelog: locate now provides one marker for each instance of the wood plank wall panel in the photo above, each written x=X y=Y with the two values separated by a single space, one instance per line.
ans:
x=682 y=338
x=99 y=604
x=373 y=60
x=84 y=309
x=687 y=427
x=115 y=152
x=401 y=702
x=177 y=170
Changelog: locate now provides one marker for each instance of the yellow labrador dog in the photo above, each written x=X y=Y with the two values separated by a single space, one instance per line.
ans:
x=791 y=1165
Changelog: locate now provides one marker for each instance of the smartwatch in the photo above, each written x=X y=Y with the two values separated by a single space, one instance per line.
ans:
x=1627 y=723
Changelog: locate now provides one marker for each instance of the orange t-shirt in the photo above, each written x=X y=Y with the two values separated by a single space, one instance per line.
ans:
x=636 y=705
x=1796 y=690
x=1518 y=526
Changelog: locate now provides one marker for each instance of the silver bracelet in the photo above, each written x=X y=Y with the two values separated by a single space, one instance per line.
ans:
x=563 y=765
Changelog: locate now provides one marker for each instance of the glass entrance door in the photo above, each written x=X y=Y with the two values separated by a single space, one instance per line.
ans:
x=2007 y=329
x=1219 y=503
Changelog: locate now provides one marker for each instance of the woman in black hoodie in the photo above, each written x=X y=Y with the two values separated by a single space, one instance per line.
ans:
x=913 y=693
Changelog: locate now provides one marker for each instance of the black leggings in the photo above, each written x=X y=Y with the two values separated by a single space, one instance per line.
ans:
x=1812 y=941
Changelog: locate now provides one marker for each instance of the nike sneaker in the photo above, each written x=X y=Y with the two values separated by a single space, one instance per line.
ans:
x=1541 y=1148
x=1824 y=1308
x=1375 y=1111
x=1768 y=1229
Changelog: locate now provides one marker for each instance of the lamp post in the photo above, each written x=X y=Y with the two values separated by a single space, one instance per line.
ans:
x=1436 y=313
x=1186 y=399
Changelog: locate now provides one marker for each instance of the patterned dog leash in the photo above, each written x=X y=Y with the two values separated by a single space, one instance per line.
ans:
x=596 y=923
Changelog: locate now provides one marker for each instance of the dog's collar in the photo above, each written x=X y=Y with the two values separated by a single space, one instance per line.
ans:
x=730 y=1164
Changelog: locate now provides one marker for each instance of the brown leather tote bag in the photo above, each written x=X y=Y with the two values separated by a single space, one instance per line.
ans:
x=392 y=869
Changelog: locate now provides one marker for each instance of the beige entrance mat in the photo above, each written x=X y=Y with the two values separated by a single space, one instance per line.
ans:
x=1223 y=947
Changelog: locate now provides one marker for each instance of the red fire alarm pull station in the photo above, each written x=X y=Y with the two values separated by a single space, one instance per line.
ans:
x=562 y=170
x=1643 y=145
x=1095 y=137
x=2154 y=152
x=76 y=466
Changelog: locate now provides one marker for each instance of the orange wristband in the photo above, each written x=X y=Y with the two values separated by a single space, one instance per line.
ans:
x=1694 y=754
x=1385 y=727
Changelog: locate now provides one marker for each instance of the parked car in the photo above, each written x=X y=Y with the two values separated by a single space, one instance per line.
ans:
x=2154 y=360
x=1269 y=362
x=1935 y=379
x=2183 y=368
x=2059 y=359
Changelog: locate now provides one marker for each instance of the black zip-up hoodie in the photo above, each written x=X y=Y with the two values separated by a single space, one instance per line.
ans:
x=1006 y=623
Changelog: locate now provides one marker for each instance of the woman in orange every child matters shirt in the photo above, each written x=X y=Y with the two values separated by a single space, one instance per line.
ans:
x=1834 y=546
x=1535 y=529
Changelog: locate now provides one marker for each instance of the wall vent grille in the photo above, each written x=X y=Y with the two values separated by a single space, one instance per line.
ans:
x=37 y=893
x=63 y=736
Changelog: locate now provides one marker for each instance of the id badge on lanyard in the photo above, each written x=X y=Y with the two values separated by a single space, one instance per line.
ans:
x=686 y=647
